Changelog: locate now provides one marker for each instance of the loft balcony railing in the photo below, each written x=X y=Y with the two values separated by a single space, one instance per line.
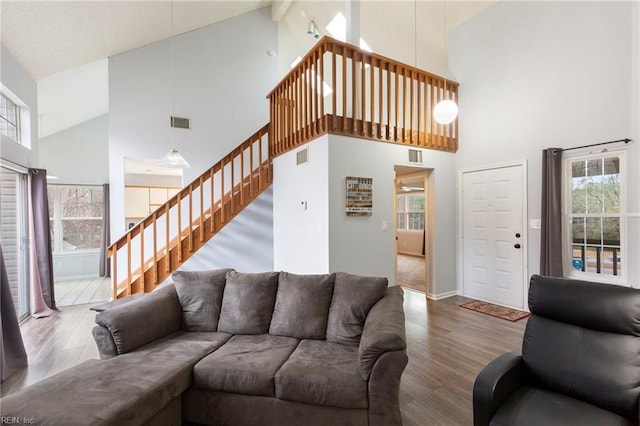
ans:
x=340 y=89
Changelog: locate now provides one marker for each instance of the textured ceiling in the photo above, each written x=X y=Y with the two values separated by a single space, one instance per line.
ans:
x=47 y=37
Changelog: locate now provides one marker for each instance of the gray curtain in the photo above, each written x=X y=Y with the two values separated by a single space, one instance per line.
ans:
x=105 y=238
x=12 y=350
x=40 y=255
x=551 y=224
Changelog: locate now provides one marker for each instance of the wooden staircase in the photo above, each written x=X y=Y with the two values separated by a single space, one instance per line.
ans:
x=337 y=88
x=160 y=243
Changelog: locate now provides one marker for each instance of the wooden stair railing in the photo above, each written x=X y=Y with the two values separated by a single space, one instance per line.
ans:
x=340 y=89
x=161 y=242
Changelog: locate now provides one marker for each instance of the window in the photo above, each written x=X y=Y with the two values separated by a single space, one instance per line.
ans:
x=594 y=199
x=75 y=217
x=410 y=211
x=9 y=119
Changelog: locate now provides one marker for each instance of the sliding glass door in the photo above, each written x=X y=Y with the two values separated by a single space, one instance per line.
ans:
x=13 y=235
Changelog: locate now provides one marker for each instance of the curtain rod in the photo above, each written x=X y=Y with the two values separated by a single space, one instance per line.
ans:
x=625 y=140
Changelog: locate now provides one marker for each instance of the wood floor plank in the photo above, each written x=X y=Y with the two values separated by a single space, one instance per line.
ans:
x=447 y=347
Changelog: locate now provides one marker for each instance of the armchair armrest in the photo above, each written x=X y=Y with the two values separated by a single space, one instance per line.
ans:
x=384 y=330
x=499 y=379
x=138 y=322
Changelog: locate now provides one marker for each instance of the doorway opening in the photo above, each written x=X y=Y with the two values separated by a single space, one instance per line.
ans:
x=412 y=228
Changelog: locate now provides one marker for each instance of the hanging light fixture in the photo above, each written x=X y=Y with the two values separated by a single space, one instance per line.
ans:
x=173 y=158
x=446 y=110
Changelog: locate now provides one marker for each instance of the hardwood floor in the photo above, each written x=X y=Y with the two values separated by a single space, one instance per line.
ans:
x=447 y=347
x=81 y=291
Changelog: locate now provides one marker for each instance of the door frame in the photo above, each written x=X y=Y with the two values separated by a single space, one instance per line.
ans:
x=426 y=174
x=525 y=224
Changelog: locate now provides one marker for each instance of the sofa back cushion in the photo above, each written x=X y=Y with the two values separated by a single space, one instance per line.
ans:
x=582 y=340
x=200 y=295
x=302 y=306
x=247 y=302
x=353 y=297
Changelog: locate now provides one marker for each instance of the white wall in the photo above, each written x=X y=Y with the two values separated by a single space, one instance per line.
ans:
x=535 y=75
x=78 y=155
x=222 y=76
x=72 y=97
x=14 y=78
x=324 y=239
x=358 y=244
x=301 y=237
x=245 y=244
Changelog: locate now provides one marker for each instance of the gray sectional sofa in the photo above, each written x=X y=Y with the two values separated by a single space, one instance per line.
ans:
x=226 y=348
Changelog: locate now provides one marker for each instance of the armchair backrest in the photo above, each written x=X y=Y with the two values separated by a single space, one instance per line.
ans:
x=583 y=340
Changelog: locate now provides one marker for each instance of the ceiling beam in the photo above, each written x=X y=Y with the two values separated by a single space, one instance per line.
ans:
x=279 y=8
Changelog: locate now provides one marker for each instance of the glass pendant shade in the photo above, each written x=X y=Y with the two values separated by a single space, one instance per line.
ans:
x=445 y=111
x=174 y=159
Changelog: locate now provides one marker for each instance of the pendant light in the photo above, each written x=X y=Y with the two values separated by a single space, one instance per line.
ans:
x=173 y=158
x=446 y=110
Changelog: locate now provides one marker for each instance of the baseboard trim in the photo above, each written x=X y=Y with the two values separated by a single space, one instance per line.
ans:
x=441 y=296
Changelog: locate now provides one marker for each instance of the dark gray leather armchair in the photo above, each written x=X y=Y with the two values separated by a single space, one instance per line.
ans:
x=580 y=362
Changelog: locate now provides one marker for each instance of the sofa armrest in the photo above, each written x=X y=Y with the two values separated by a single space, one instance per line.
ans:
x=499 y=379
x=140 y=321
x=384 y=330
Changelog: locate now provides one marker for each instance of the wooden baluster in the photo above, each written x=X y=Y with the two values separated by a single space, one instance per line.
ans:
x=334 y=95
x=114 y=280
x=232 y=181
x=156 y=279
x=251 y=168
x=411 y=89
x=179 y=205
x=321 y=93
x=142 y=265
x=395 y=124
x=291 y=111
x=242 y=175
x=212 y=209
x=300 y=107
x=380 y=88
x=309 y=102
x=388 y=101
x=202 y=219
x=222 y=193
x=372 y=97
x=129 y=278
x=419 y=112
x=190 y=221
x=167 y=247
x=318 y=93
x=354 y=101
x=344 y=89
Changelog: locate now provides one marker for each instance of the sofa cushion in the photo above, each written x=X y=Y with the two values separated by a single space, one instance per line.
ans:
x=533 y=406
x=245 y=364
x=353 y=297
x=200 y=295
x=323 y=373
x=247 y=303
x=302 y=306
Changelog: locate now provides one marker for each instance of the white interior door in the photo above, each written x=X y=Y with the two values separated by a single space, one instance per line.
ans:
x=493 y=237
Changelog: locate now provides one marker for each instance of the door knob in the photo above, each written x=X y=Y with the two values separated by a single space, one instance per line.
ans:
x=517 y=246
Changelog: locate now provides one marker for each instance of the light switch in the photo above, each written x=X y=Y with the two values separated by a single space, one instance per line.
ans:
x=385 y=225
x=534 y=223
x=303 y=205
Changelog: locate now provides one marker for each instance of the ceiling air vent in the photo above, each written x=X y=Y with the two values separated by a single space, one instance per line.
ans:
x=302 y=156
x=180 y=122
x=415 y=156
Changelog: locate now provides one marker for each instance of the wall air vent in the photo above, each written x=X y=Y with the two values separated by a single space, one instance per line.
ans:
x=415 y=156
x=302 y=156
x=180 y=123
